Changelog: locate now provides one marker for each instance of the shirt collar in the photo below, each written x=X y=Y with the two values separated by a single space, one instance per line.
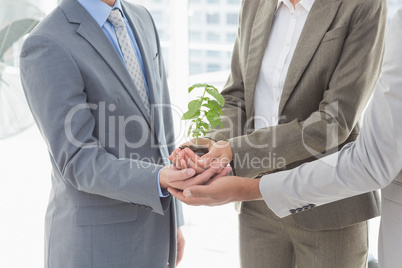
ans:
x=99 y=10
x=307 y=4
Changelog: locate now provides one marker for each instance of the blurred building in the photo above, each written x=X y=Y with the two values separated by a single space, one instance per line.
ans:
x=393 y=6
x=212 y=32
x=212 y=29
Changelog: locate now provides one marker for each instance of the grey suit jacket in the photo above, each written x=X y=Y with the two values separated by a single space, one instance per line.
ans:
x=104 y=208
x=330 y=80
x=373 y=161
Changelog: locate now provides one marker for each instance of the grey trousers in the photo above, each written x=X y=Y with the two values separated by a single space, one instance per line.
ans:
x=267 y=241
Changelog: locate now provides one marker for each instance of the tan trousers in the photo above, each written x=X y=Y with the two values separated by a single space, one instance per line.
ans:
x=267 y=241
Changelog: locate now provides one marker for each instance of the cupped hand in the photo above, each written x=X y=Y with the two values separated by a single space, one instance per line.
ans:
x=220 y=152
x=182 y=159
x=170 y=176
x=219 y=191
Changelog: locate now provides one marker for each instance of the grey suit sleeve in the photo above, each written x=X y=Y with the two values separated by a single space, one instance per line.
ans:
x=370 y=163
x=54 y=86
x=179 y=213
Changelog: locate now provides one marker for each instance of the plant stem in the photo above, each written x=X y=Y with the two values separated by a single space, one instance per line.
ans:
x=197 y=126
x=205 y=91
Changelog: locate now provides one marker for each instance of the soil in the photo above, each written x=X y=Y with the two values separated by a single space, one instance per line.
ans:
x=199 y=150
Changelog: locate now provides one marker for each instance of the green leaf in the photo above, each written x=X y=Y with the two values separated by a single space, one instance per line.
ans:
x=213 y=124
x=215 y=93
x=196 y=115
x=189 y=130
x=194 y=106
x=212 y=111
x=196 y=132
x=220 y=123
x=213 y=105
x=213 y=118
x=204 y=98
x=205 y=126
x=188 y=115
x=212 y=87
x=203 y=131
x=194 y=110
x=196 y=86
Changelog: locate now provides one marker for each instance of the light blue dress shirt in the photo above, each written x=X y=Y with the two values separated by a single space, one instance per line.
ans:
x=100 y=12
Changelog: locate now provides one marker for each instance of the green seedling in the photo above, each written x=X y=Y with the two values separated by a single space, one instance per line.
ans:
x=204 y=112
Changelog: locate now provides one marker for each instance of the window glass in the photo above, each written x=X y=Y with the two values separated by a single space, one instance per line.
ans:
x=213 y=18
x=232 y=19
x=213 y=53
x=213 y=37
x=218 y=29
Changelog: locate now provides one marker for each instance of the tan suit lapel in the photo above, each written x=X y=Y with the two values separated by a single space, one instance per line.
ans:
x=318 y=21
x=260 y=31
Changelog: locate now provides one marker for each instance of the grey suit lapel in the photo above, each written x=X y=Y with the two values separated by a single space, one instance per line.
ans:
x=258 y=42
x=147 y=56
x=144 y=46
x=93 y=34
x=318 y=21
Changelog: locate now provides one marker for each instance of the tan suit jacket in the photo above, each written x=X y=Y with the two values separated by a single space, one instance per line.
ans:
x=330 y=80
x=373 y=161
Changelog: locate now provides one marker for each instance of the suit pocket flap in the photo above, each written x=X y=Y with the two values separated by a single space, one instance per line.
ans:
x=335 y=33
x=105 y=214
